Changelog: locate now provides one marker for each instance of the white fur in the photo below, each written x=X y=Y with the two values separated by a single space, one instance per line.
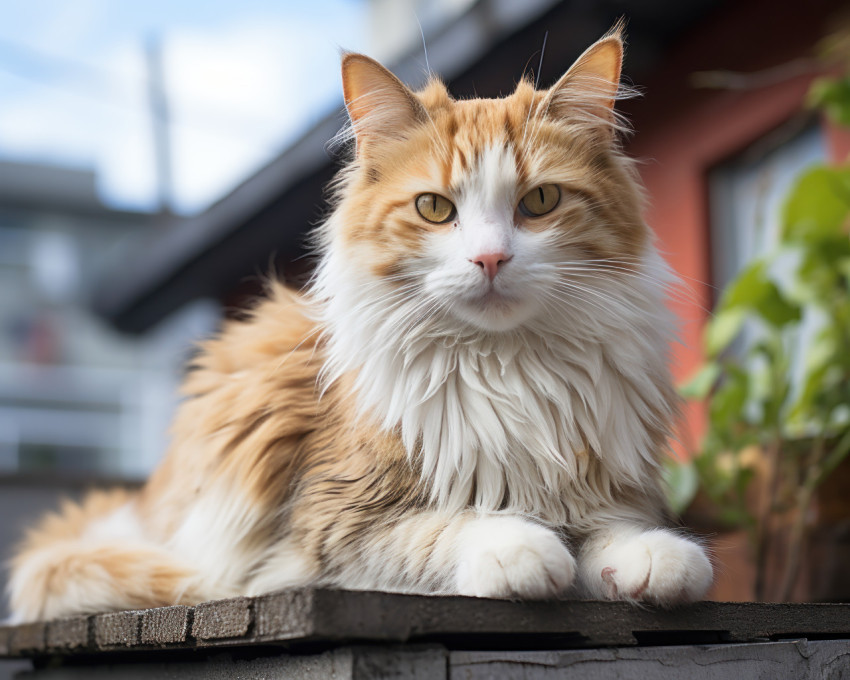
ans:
x=285 y=565
x=120 y=527
x=486 y=203
x=94 y=589
x=512 y=557
x=496 y=413
x=656 y=566
x=532 y=394
x=223 y=534
x=121 y=524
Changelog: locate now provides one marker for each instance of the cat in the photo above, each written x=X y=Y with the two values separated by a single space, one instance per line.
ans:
x=472 y=397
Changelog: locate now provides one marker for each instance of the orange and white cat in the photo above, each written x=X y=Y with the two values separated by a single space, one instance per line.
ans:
x=472 y=398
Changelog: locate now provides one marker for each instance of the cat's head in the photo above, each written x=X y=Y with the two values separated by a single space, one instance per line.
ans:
x=489 y=213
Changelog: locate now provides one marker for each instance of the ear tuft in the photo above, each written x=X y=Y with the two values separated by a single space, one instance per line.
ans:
x=378 y=103
x=589 y=88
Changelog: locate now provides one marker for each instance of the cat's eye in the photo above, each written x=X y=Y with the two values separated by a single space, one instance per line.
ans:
x=540 y=201
x=435 y=208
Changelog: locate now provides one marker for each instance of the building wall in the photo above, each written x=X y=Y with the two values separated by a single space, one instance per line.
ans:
x=76 y=396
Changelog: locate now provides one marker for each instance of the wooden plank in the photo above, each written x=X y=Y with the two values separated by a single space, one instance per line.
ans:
x=295 y=617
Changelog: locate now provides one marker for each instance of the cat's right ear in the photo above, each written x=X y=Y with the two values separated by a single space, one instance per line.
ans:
x=378 y=103
x=587 y=91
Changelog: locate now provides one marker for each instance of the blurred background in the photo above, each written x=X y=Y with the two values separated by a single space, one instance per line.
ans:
x=157 y=158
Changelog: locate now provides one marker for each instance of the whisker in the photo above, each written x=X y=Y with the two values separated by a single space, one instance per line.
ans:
x=673 y=289
x=614 y=303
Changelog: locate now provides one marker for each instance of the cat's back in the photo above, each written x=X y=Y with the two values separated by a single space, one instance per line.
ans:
x=276 y=329
x=251 y=395
x=256 y=363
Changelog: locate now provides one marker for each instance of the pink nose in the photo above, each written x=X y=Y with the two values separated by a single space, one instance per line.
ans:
x=490 y=262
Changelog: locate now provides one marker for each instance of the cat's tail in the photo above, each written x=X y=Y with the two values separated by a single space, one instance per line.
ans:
x=93 y=557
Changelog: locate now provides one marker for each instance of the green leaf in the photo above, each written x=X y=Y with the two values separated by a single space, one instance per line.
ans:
x=818 y=206
x=818 y=361
x=682 y=484
x=832 y=95
x=753 y=290
x=725 y=482
x=747 y=288
x=727 y=404
x=723 y=329
x=702 y=382
x=775 y=308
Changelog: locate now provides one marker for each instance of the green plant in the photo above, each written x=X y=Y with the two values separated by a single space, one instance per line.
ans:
x=777 y=376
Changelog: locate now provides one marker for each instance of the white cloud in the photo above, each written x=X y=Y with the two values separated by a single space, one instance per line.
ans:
x=238 y=93
x=72 y=123
x=52 y=26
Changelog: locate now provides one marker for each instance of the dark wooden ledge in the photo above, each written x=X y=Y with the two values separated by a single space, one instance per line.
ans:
x=321 y=619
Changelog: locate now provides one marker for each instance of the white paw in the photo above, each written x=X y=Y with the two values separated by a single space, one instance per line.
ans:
x=655 y=566
x=508 y=557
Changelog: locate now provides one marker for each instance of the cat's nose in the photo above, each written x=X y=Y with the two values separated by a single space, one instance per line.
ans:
x=490 y=262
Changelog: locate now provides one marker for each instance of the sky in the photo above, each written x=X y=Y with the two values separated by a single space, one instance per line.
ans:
x=241 y=79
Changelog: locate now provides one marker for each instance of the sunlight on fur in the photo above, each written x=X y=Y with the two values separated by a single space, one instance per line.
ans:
x=472 y=397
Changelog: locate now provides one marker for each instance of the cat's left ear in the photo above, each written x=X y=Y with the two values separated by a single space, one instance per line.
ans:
x=378 y=103
x=589 y=88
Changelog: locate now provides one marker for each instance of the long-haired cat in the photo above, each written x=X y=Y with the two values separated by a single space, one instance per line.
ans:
x=472 y=398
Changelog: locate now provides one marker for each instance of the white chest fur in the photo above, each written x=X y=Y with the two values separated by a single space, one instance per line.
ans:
x=542 y=420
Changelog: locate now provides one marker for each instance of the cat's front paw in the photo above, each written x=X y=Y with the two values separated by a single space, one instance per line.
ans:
x=508 y=557
x=655 y=566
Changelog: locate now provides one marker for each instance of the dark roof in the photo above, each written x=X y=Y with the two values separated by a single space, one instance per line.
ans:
x=36 y=187
x=263 y=222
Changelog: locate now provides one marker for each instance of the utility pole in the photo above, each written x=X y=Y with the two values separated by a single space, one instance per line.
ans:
x=158 y=100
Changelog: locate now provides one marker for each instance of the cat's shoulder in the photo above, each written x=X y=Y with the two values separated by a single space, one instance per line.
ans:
x=280 y=326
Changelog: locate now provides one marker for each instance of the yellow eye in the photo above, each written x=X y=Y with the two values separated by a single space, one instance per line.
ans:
x=435 y=208
x=539 y=201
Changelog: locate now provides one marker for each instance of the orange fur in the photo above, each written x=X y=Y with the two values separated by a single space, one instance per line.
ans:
x=66 y=574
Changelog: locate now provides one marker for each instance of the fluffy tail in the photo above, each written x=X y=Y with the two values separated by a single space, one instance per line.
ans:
x=90 y=558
